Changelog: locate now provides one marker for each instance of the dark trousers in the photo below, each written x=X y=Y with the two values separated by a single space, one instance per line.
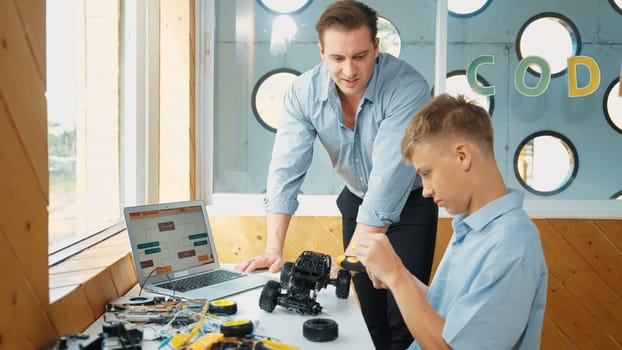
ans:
x=413 y=239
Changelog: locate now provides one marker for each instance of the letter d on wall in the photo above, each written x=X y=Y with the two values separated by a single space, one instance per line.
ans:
x=573 y=89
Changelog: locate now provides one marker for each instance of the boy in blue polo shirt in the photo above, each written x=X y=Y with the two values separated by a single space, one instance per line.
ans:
x=489 y=291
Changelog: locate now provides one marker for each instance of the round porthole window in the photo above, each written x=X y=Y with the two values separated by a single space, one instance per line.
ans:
x=552 y=37
x=457 y=84
x=390 y=40
x=617 y=196
x=268 y=93
x=617 y=5
x=466 y=8
x=612 y=105
x=546 y=163
x=284 y=7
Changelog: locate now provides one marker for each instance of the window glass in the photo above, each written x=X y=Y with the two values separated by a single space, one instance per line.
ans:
x=550 y=36
x=612 y=105
x=466 y=8
x=457 y=84
x=617 y=5
x=82 y=65
x=390 y=40
x=268 y=95
x=546 y=163
x=284 y=30
x=284 y=6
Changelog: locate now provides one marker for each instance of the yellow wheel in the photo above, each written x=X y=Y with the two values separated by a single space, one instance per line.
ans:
x=222 y=306
x=351 y=263
x=236 y=328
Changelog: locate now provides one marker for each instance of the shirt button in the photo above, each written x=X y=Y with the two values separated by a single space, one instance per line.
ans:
x=356 y=160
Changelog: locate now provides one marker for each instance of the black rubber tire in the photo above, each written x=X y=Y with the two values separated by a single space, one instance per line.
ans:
x=269 y=295
x=245 y=346
x=320 y=329
x=342 y=287
x=261 y=346
x=222 y=306
x=236 y=328
x=286 y=273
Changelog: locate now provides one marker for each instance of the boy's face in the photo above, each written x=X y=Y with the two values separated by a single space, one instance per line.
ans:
x=350 y=57
x=440 y=165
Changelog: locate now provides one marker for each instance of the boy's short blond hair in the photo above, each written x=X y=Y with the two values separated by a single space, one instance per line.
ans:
x=446 y=116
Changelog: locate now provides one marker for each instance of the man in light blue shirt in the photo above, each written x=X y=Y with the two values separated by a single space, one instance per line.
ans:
x=489 y=291
x=357 y=103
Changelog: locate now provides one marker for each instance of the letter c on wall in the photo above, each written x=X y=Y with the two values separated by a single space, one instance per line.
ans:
x=472 y=75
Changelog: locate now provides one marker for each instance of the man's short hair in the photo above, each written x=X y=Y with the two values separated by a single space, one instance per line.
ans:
x=347 y=15
x=447 y=116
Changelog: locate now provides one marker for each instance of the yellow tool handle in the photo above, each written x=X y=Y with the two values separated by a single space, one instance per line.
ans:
x=350 y=263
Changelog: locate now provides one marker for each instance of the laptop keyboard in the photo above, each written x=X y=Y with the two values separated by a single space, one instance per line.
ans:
x=202 y=280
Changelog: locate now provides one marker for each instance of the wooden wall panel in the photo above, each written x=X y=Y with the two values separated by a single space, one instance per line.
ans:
x=598 y=251
x=238 y=237
x=589 y=290
x=32 y=18
x=23 y=207
x=72 y=313
x=612 y=230
x=23 y=176
x=75 y=277
x=241 y=237
x=551 y=334
x=91 y=288
x=443 y=234
x=23 y=90
x=123 y=274
x=23 y=325
x=308 y=233
x=103 y=259
x=99 y=290
x=565 y=312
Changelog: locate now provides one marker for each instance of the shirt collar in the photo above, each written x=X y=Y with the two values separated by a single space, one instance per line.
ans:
x=479 y=219
x=370 y=91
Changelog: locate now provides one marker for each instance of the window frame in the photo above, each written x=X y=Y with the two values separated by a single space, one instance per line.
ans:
x=139 y=119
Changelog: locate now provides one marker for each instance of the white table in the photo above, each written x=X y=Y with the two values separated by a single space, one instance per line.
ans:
x=286 y=326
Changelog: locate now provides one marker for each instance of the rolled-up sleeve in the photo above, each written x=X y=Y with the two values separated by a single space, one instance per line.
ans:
x=391 y=179
x=291 y=157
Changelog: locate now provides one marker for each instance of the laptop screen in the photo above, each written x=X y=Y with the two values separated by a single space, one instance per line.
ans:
x=168 y=240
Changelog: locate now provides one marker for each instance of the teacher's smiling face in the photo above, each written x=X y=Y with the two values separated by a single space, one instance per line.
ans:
x=350 y=57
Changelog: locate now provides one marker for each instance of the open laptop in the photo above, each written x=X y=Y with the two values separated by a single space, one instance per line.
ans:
x=173 y=249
